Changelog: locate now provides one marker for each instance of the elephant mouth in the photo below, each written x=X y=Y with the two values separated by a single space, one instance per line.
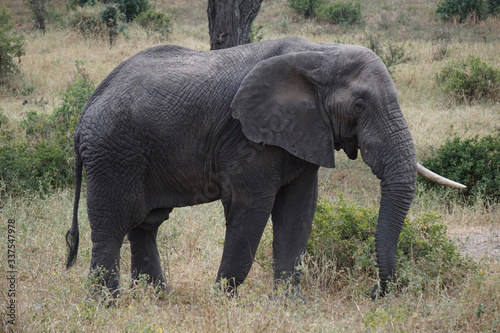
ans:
x=351 y=150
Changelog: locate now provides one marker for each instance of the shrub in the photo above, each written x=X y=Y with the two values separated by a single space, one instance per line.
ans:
x=306 y=8
x=461 y=9
x=474 y=162
x=6 y=134
x=343 y=234
x=341 y=13
x=256 y=33
x=493 y=7
x=88 y=20
x=45 y=161
x=470 y=80
x=390 y=53
x=11 y=46
x=154 y=21
x=39 y=13
x=132 y=8
x=58 y=127
x=33 y=168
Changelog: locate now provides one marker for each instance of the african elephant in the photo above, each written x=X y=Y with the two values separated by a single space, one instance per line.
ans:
x=250 y=125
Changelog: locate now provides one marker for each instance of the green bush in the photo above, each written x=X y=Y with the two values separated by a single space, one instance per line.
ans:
x=45 y=161
x=6 y=134
x=128 y=8
x=306 y=8
x=341 y=13
x=470 y=80
x=343 y=234
x=88 y=21
x=474 y=162
x=493 y=7
x=462 y=9
x=33 y=168
x=132 y=8
x=11 y=46
x=155 y=22
x=390 y=53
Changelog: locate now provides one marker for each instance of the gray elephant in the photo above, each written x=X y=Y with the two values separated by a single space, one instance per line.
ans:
x=251 y=125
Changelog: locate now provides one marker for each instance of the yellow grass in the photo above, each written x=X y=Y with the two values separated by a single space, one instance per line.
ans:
x=53 y=299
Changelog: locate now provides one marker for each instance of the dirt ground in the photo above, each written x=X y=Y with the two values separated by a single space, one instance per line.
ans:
x=479 y=243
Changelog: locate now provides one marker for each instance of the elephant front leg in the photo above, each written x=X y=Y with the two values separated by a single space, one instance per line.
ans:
x=292 y=217
x=145 y=261
x=246 y=219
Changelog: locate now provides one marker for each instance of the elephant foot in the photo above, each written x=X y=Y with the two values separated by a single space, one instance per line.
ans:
x=228 y=288
x=158 y=284
x=382 y=288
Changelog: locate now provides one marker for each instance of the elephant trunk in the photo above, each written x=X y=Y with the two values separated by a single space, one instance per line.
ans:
x=396 y=199
x=394 y=163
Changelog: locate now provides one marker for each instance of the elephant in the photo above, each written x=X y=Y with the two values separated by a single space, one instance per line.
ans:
x=250 y=126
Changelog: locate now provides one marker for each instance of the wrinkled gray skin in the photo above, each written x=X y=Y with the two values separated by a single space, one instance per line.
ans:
x=251 y=125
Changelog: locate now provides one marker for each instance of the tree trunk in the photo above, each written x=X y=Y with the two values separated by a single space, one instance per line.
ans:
x=229 y=22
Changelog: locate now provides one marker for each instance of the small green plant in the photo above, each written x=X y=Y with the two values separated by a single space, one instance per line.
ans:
x=474 y=162
x=341 y=13
x=306 y=8
x=462 y=9
x=390 y=53
x=11 y=47
x=470 y=80
x=256 y=33
x=155 y=22
x=6 y=134
x=344 y=234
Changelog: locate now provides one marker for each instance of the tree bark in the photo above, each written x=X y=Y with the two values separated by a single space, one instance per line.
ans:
x=230 y=21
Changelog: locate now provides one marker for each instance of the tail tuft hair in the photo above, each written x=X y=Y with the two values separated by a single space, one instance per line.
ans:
x=72 y=242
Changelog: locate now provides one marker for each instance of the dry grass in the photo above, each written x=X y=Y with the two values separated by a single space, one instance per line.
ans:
x=50 y=298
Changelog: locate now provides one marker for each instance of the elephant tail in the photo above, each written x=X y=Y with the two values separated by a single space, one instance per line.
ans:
x=73 y=235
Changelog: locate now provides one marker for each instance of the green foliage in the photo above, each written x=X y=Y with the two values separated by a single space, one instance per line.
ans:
x=132 y=8
x=33 y=167
x=39 y=13
x=474 y=162
x=154 y=21
x=462 y=9
x=470 y=80
x=87 y=20
x=306 y=8
x=256 y=34
x=493 y=7
x=390 y=53
x=341 y=13
x=45 y=161
x=110 y=16
x=344 y=234
x=6 y=134
x=11 y=46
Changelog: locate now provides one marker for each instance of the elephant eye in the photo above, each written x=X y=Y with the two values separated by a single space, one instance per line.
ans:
x=359 y=105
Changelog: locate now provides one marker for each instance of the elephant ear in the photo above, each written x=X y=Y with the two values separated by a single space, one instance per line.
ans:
x=277 y=105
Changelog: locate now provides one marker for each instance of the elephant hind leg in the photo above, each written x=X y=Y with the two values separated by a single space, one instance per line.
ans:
x=105 y=264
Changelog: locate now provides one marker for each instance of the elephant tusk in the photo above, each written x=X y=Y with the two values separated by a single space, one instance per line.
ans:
x=428 y=174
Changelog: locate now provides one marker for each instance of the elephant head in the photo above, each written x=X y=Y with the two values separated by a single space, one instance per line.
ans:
x=310 y=103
